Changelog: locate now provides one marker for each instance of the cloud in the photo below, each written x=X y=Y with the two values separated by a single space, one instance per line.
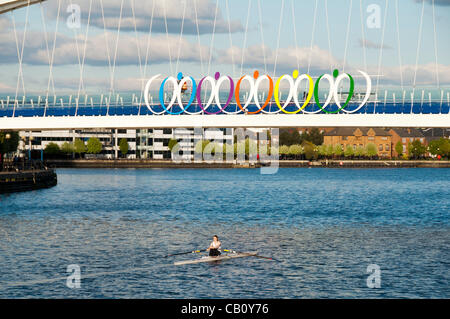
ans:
x=162 y=49
x=372 y=45
x=436 y=2
x=120 y=84
x=286 y=60
x=426 y=75
x=5 y=88
x=201 y=12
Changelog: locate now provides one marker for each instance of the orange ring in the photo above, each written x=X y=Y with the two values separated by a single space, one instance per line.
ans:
x=269 y=96
x=236 y=93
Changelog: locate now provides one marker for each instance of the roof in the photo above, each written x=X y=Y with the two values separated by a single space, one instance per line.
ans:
x=436 y=132
x=349 y=131
x=408 y=132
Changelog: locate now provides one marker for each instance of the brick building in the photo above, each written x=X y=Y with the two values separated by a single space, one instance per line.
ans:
x=405 y=136
x=361 y=137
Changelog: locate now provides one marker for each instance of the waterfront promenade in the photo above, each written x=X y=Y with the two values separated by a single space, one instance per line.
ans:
x=148 y=163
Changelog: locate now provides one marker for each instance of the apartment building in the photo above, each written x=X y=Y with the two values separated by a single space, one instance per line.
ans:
x=360 y=137
x=154 y=143
x=36 y=141
x=405 y=136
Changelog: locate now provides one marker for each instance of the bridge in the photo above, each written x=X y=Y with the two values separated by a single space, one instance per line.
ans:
x=134 y=116
x=9 y=5
x=42 y=114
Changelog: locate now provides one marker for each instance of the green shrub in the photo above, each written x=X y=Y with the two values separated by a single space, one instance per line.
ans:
x=123 y=146
x=94 y=146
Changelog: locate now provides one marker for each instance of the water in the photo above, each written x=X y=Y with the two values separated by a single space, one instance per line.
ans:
x=324 y=225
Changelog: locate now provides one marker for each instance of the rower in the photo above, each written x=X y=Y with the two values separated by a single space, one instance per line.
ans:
x=214 y=247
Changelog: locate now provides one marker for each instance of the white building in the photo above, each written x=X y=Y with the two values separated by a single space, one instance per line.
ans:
x=154 y=143
x=143 y=143
x=109 y=138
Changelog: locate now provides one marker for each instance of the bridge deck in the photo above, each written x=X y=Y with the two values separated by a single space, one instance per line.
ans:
x=156 y=109
x=134 y=116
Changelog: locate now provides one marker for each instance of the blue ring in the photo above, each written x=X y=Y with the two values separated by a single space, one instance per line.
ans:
x=161 y=94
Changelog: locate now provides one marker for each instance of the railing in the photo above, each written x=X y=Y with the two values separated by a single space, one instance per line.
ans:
x=28 y=110
x=21 y=165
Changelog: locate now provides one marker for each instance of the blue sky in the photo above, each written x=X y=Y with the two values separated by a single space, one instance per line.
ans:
x=309 y=50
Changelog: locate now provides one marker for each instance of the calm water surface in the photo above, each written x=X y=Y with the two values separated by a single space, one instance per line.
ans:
x=324 y=225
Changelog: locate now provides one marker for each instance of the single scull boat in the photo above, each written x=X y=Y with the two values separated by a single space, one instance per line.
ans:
x=213 y=259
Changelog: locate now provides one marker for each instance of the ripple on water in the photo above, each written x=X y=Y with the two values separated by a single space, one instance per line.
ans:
x=324 y=225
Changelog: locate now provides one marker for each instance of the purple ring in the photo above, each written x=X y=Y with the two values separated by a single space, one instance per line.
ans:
x=199 y=89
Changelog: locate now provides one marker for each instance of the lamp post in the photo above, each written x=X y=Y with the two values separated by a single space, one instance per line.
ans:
x=30 y=144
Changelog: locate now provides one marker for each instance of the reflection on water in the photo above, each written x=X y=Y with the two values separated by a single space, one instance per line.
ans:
x=324 y=225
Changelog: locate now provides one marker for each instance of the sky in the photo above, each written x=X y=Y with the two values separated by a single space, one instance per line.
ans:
x=390 y=40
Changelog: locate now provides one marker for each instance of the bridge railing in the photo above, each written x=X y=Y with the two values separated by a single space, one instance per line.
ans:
x=272 y=108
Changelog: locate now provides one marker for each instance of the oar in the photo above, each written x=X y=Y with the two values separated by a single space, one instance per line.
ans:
x=185 y=253
x=257 y=256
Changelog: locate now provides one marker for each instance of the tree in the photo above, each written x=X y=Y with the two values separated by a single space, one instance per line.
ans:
x=212 y=148
x=285 y=137
x=251 y=146
x=228 y=148
x=314 y=136
x=434 y=147
x=284 y=150
x=9 y=141
x=349 y=151
x=440 y=147
x=322 y=149
x=295 y=150
x=445 y=147
x=417 y=149
x=123 y=146
x=310 y=150
x=67 y=148
x=399 y=148
x=52 y=149
x=329 y=150
x=371 y=150
x=338 y=150
x=79 y=146
x=200 y=146
x=172 y=143
x=94 y=146
x=360 y=151
x=290 y=137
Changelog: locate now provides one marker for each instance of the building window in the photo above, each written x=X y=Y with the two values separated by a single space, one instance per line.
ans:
x=387 y=147
x=380 y=147
x=403 y=140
